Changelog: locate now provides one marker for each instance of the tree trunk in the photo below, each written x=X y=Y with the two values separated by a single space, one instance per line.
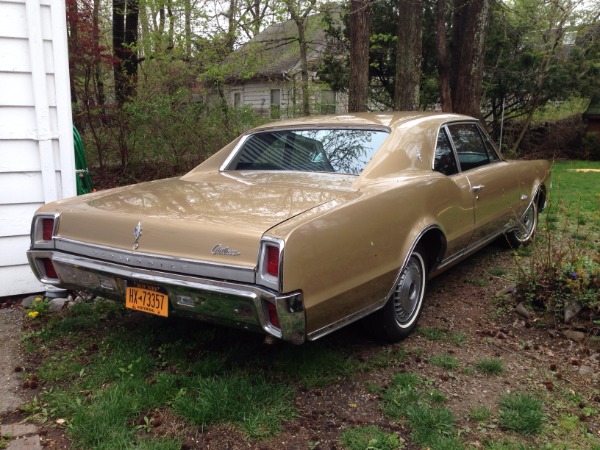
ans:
x=408 y=56
x=471 y=19
x=300 y=21
x=118 y=38
x=360 y=30
x=131 y=38
x=100 y=97
x=442 y=56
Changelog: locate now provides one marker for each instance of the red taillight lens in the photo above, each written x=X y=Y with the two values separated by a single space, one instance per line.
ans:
x=273 y=260
x=273 y=318
x=47 y=229
x=49 y=268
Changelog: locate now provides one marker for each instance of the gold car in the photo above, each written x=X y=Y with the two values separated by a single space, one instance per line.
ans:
x=299 y=227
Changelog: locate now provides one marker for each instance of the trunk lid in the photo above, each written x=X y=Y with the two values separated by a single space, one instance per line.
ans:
x=216 y=217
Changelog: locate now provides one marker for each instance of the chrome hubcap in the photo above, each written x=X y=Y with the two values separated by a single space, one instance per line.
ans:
x=409 y=291
x=527 y=224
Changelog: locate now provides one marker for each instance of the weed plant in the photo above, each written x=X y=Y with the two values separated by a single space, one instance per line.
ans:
x=491 y=366
x=562 y=265
x=369 y=437
x=521 y=413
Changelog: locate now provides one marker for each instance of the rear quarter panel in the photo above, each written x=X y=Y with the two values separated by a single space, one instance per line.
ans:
x=346 y=255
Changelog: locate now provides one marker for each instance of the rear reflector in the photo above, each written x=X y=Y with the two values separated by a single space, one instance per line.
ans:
x=273 y=260
x=273 y=318
x=49 y=268
x=47 y=229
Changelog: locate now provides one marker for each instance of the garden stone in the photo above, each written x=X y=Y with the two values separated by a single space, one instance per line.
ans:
x=575 y=336
x=57 y=304
x=28 y=301
x=586 y=370
x=523 y=311
x=571 y=311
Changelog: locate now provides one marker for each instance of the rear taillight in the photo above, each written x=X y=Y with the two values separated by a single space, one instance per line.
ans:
x=270 y=262
x=49 y=270
x=47 y=229
x=273 y=317
x=272 y=255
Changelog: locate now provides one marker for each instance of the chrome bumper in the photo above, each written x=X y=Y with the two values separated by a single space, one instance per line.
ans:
x=228 y=303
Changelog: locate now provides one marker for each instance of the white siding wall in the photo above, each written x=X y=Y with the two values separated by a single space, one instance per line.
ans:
x=257 y=94
x=36 y=140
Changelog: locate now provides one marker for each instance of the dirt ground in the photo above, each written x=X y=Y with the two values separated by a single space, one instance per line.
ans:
x=464 y=302
x=11 y=358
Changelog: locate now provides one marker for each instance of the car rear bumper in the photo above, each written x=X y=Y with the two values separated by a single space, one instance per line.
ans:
x=228 y=303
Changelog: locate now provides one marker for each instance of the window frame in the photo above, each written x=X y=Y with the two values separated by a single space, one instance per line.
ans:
x=483 y=135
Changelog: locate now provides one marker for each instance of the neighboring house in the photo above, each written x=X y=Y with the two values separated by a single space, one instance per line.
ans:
x=36 y=136
x=266 y=74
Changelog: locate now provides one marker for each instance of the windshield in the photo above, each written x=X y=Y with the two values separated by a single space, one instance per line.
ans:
x=345 y=151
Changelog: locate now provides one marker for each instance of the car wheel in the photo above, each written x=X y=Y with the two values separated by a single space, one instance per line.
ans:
x=399 y=316
x=523 y=234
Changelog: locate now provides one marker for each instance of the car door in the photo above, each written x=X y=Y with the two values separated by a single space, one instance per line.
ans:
x=494 y=186
x=457 y=216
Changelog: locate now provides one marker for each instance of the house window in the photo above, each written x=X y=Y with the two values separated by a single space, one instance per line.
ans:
x=275 y=103
x=237 y=99
x=327 y=102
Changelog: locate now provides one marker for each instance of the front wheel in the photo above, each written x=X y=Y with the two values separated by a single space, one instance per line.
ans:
x=397 y=319
x=523 y=234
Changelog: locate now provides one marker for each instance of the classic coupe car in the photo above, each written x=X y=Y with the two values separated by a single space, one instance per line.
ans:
x=299 y=227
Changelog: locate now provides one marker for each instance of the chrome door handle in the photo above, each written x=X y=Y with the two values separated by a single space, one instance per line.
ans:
x=478 y=187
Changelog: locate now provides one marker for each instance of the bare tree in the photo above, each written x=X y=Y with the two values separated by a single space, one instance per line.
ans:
x=299 y=14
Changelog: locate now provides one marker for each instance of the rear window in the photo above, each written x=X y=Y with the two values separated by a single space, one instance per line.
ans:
x=345 y=151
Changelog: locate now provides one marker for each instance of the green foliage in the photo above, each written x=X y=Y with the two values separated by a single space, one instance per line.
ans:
x=521 y=413
x=39 y=307
x=479 y=413
x=491 y=366
x=369 y=438
x=432 y=334
x=430 y=424
x=253 y=402
x=447 y=362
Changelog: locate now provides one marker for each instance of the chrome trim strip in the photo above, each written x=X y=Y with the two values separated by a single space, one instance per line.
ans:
x=446 y=263
x=157 y=262
x=229 y=303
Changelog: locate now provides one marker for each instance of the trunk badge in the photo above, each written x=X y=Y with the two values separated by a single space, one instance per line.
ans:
x=226 y=251
x=137 y=232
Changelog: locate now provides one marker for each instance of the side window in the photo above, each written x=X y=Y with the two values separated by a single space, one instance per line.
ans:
x=444 y=156
x=491 y=150
x=470 y=148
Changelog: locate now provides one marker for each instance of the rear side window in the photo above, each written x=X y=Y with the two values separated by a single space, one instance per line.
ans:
x=345 y=151
x=445 y=162
x=471 y=148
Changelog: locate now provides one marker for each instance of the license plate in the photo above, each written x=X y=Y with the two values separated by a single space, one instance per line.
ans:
x=147 y=298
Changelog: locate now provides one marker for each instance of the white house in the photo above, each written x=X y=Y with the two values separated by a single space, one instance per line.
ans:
x=266 y=71
x=37 y=163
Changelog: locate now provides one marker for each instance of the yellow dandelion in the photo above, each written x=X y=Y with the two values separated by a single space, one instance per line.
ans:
x=38 y=299
x=32 y=314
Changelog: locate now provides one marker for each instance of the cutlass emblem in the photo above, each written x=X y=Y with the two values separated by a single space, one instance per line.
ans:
x=219 y=250
x=137 y=232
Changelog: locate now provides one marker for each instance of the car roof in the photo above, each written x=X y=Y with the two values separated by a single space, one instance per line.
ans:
x=374 y=119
